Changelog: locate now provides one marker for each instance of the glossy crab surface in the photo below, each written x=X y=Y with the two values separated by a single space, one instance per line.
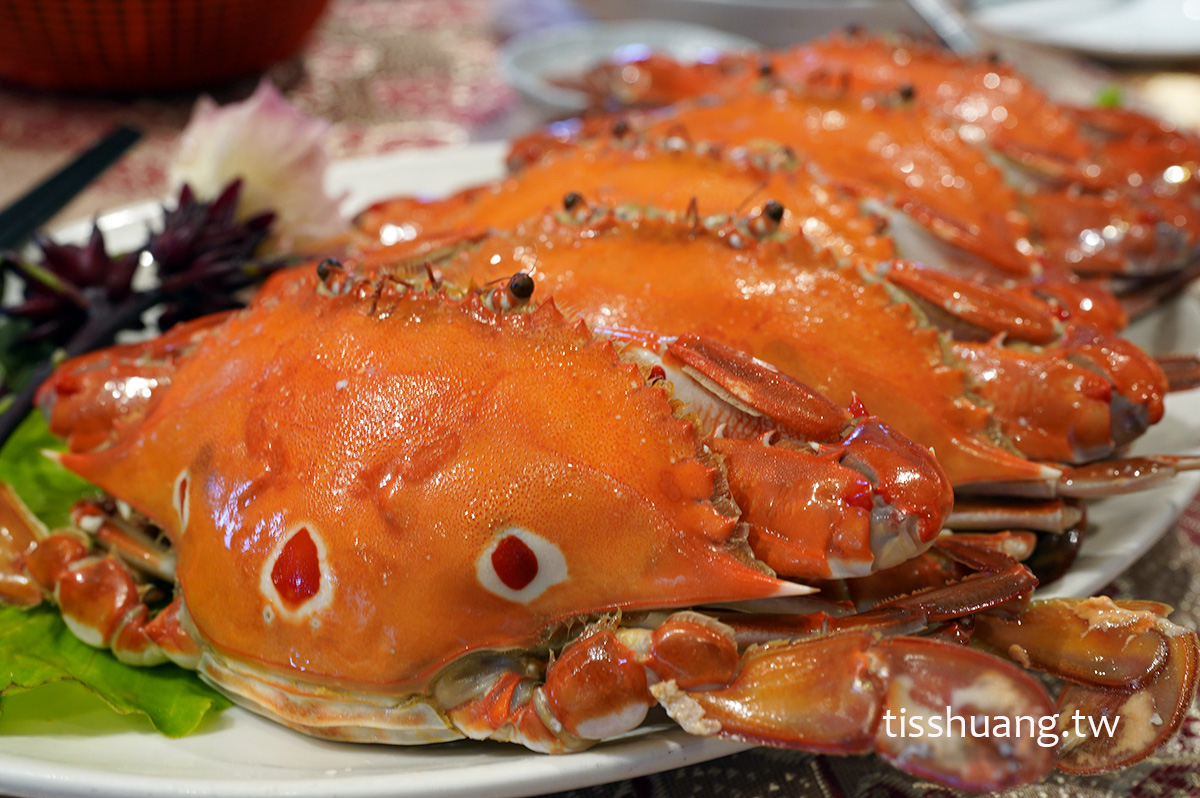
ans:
x=845 y=330
x=337 y=471
x=408 y=516
x=982 y=154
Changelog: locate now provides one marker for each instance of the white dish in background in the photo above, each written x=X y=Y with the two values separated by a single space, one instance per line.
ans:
x=1143 y=30
x=774 y=23
x=533 y=61
x=239 y=755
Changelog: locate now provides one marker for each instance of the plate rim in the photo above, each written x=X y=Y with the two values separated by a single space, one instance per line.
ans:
x=513 y=774
x=1001 y=19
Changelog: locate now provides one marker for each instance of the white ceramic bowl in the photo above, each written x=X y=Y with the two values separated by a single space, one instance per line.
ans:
x=774 y=23
x=532 y=62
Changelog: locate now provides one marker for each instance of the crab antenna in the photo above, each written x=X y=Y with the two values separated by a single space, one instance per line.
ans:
x=750 y=197
x=435 y=282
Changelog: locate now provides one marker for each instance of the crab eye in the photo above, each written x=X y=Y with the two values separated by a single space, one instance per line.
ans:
x=520 y=565
x=521 y=285
x=773 y=210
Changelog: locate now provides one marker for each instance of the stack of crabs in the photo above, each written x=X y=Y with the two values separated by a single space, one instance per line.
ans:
x=679 y=412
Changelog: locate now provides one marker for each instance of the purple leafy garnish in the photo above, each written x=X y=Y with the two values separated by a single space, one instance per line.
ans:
x=80 y=296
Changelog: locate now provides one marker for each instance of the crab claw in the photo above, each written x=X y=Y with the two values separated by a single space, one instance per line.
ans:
x=902 y=697
x=835 y=496
x=1053 y=409
x=1069 y=393
x=1131 y=673
x=95 y=398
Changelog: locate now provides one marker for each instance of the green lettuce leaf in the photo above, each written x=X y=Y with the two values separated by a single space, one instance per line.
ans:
x=47 y=488
x=37 y=650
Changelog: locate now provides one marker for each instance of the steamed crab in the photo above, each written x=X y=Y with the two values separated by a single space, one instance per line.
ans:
x=966 y=145
x=403 y=516
x=1025 y=420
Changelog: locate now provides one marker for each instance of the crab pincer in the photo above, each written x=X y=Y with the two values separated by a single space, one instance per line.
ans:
x=827 y=494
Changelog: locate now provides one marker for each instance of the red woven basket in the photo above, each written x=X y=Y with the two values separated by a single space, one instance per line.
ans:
x=136 y=45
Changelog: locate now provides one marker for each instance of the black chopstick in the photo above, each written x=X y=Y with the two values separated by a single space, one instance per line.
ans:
x=20 y=220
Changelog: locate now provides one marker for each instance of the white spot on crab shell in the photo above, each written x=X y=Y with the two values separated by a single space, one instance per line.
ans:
x=180 y=498
x=307 y=610
x=551 y=566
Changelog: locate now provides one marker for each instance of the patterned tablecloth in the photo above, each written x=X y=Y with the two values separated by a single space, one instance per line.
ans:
x=392 y=74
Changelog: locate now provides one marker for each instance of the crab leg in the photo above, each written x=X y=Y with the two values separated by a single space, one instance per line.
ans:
x=947 y=562
x=1182 y=370
x=961 y=575
x=100 y=596
x=1046 y=515
x=19 y=532
x=1106 y=478
x=847 y=693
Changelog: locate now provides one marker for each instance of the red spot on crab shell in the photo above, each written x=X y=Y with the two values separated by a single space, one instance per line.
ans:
x=514 y=562
x=857 y=408
x=297 y=571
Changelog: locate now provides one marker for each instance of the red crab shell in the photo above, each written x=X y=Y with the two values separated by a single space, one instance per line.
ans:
x=363 y=489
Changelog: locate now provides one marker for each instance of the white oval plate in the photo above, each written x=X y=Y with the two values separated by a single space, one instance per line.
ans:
x=1143 y=30
x=243 y=756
